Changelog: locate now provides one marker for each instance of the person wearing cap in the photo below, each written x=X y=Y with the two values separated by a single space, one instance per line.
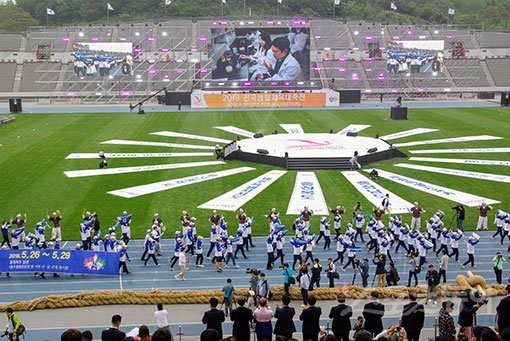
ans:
x=182 y=265
x=470 y=248
x=156 y=220
x=242 y=240
x=13 y=325
x=177 y=248
x=498 y=261
x=416 y=211
x=123 y=258
x=56 y=218
x=151 y=249
x=218 y=254
x=200 y=253
x=125 y=224
x=230 y=251
x=146 y=244
x=337 y=220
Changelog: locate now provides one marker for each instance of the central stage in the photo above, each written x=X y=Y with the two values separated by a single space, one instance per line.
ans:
x=310 y=151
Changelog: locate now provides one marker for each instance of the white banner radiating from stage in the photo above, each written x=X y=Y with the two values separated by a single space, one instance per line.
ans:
x=239 y=196
x=461 y=150
x=293 y=128
x=307 y=192
x=123 y=170
x=376 y=193
x=457 y=172
x=156 y=144
x=462 y=161
x=236 y=131
x=467 y=199
x=136 y=191
x=353 y=128
x=132 y=155
x=449 y=140
x=407 y=133
x=190 y=136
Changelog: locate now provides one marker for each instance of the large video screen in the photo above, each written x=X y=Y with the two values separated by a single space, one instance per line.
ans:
x=421 y=56
x=261 y=54
x=103 y=59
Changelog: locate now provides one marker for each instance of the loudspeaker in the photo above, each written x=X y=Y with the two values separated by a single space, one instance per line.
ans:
x=262 y=151
x=258 y=135
x=505 y=99
x=15 y=105
x=372 y=150
x=398 y=113
x=352 y=134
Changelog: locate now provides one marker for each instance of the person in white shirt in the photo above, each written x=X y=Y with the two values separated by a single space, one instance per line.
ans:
x=263 y=53
x=182 y=265
x=161 y=317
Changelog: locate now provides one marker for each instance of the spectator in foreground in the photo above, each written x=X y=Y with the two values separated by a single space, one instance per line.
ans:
x=143 y=333
x=87 y=336
x=341 y=315
x=445 y=321
x=263 y=315
x=113 y=333
x=242 y=317
x=284 y=327
x=413 y=317
x=162 y=335
x=468 y=308
x=214 y=317
x=310 y=317
x=373 y=313
x=68 y=335
x=503 y=318
x=208 y=335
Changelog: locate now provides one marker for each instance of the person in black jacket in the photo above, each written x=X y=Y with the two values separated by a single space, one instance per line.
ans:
x=392 y=276
x=373 y=313
x=461 y=214
x=310 y=317
x=113 y=333
x=413 y=316
x=341 y=315
x=503 y=310
x=284 y=327
x=214 y=317
x=241 y=316
x=469 y=305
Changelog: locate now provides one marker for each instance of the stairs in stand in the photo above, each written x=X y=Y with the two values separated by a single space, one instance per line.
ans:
x=318 y=163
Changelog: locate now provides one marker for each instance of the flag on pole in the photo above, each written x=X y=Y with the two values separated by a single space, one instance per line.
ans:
x=451 y=11
x=393 y=6
x=49 y=11
x=224 y=1
x=109 y=7
x=280 y=2
x=168 y=2
x=337 y=2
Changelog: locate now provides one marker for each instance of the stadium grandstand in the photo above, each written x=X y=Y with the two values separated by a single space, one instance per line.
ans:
x=179 y=55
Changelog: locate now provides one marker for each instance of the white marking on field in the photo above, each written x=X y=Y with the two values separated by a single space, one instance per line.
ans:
x=307 y=192
x=462 y=161
x=353 y=128
x=190 y=136
x=156 y=144
x=132 y=155
x=461 y=150
x=236 y=131
x=407 y=133
x=457 y=172
x=449 y=140
x=123 y=170
x=293 y=128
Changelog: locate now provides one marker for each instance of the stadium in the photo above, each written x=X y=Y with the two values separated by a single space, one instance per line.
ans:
x=139 y=157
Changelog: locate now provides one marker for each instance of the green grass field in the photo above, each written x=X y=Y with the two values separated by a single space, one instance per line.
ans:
x=34 y=147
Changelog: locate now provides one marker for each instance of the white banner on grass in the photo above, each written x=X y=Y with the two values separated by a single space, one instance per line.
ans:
x=457 y=172
x=190 y=136
x=376 y=193
x=462 y=161
x=136 y=191
x=122 y=170
x=467 y=199
x=239 y=196
x=407 y=133
x=156 y=144
x=293 y=128
x=449 y=140
x=461 y=150
x=236 y=131
x=132 y=155
x=353 y=128
x=307 y=192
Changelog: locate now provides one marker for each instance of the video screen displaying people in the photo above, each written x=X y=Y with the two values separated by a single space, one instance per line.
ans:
x=406 y=57
x=103 y=59
x=261 y=54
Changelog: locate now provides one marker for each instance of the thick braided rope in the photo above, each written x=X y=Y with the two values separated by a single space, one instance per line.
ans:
x=113 y=297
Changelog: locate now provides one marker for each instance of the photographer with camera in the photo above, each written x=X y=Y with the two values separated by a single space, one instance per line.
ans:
x=380 y=270
x=498 y=261
x=392 y=276
x=471 y=301
x=363 y=269
x=461 y=214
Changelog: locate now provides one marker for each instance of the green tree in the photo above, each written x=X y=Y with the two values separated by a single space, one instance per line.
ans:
x=14 y=19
